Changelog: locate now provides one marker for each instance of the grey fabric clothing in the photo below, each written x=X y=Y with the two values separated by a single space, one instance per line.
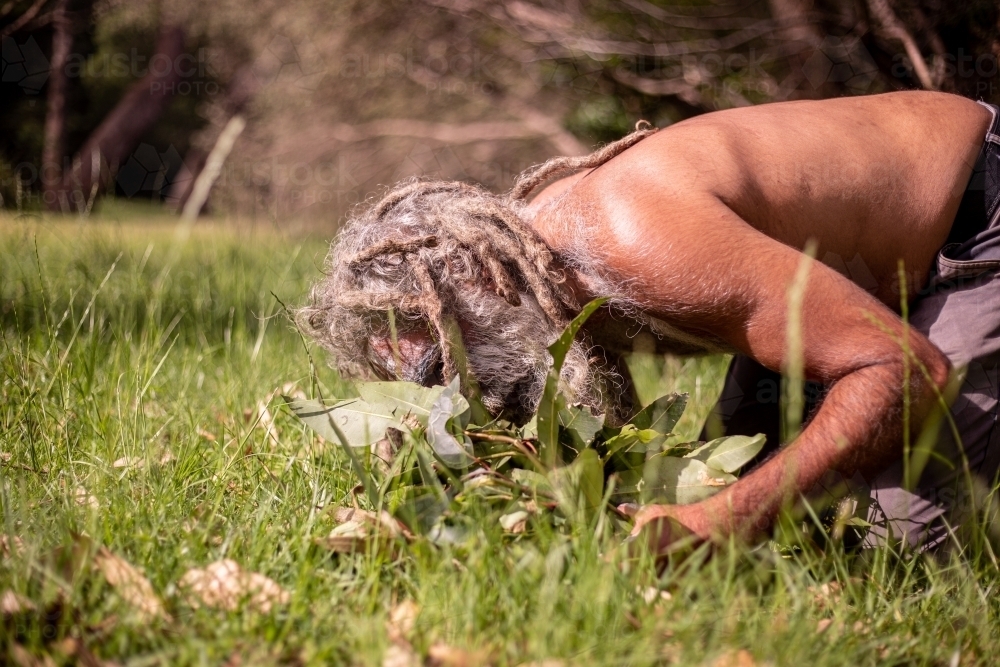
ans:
x=959 y=311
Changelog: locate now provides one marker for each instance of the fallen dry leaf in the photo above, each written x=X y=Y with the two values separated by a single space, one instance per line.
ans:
x=22 y=658
x=12 y=604
x=740 y=658
x=127 y=462
x=651 y=594
x=515 y=522
x=224 y=585
x=442 y=655
x=823 y=625
x=75 y=649
x=84 y=497
x=130 y=584
x=400 y=656
x=826 y=595
x=359 y=528
x=11 y=545
x=402 y=620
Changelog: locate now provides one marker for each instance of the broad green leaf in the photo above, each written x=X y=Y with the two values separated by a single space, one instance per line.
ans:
x=629 y=484
x=400 y=398
x=548 y=408
x=531 y=479
x=449 y=406
x=667 y=479
x=420 y=508
x=631 y=439
x=361 y=423
x=582 y=424
x=579 y=486
x=323 y=419
x=662 y=414
x=731 y=453
x=530 y=430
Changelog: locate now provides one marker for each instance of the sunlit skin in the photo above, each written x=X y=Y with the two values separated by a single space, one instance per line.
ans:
x=707 y=220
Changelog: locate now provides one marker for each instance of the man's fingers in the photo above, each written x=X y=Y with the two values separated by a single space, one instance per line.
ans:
x=629 y=509
x=644 y=514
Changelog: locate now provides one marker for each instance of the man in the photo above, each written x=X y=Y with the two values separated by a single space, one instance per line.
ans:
x=697 y=233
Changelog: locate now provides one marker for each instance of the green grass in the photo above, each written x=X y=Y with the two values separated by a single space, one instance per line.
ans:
x=123 y=341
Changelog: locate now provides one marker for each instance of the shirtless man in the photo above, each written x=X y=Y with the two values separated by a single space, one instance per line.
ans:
x=697 y=232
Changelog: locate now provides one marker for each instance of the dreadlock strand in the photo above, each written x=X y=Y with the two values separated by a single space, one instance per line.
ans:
x=562 y=166
x=501 y=278
x=432 y=306
x=391 y=246
x=394 y=197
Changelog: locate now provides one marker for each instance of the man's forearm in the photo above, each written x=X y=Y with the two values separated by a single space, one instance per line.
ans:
x=858 y=428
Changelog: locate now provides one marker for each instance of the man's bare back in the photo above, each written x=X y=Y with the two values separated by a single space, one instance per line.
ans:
x=879 y=176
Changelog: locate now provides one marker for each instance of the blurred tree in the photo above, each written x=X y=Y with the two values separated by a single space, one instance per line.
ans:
x=340 y=98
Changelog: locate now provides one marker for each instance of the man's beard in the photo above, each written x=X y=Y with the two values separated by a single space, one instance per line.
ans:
x=506 y=348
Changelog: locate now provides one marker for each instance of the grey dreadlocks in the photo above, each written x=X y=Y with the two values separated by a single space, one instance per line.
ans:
x=433 y=254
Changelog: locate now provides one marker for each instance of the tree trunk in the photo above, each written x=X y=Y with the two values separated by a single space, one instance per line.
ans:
x=120 y=131
x=55 y=111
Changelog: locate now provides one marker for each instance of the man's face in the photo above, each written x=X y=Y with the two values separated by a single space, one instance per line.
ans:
x=505 y=347
x=416 y=357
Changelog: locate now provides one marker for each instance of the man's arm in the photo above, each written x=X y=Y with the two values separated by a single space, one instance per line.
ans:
x=716 y=273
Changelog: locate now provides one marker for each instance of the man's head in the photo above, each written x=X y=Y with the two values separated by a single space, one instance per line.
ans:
x=435 y=268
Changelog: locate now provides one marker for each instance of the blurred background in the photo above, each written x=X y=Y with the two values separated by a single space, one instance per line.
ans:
x=276 y=111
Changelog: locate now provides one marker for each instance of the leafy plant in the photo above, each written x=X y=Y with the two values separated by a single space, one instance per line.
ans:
x=422 y=459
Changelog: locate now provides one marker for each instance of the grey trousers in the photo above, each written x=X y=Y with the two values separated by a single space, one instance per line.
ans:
x=963 y=320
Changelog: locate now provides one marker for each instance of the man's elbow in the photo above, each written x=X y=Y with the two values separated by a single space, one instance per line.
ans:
x=936 y=369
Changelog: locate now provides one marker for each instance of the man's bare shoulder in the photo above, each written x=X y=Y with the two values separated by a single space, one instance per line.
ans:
x=879 y=176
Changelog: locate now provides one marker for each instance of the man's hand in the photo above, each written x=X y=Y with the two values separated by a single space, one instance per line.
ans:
x=667 y=528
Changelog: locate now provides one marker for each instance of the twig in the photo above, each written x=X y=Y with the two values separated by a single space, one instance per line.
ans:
x=894 y=28
x=520 y=445
x=22 y=20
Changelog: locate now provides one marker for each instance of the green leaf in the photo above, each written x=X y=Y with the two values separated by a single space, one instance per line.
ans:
x=631 y=439
x=364 y=420
x=420 y=508
x=548 y=408
x=662 y=414
x=731 y=453
x=400 y=398
x=579 y=486
x=582 y=424
x=323 y=420
x=533 y=480
x=361 y=423
x=530 y=430
x=448 y=407
x=668 y=479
